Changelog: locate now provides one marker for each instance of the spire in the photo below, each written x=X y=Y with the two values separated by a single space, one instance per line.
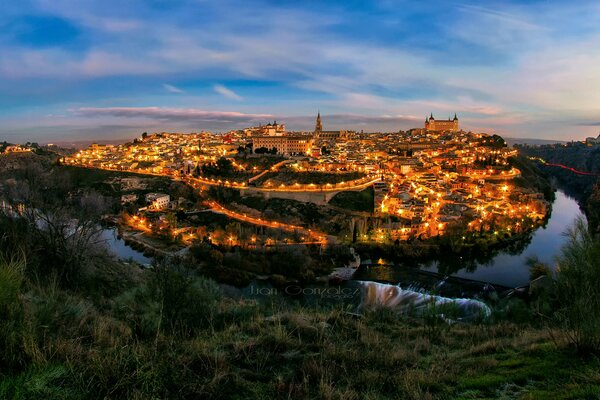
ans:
x=431 y=116
x=318 y=125
x=455 y=117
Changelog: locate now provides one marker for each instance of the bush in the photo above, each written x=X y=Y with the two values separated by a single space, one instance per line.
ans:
x=537 y=268
x=578 y=286
x=11 y=312
x=174 y=300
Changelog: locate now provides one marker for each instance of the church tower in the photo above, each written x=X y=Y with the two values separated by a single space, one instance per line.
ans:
x=318 y=125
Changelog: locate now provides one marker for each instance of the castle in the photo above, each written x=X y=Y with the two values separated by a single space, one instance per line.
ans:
x=449 y=125
x=271 y=129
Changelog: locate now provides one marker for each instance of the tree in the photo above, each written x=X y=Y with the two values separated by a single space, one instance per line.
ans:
x=224 y=165
x=593 y=208
x=261 y=150
x=577 y=288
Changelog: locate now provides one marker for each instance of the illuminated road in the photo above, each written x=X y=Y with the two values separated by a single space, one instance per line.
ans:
x=563 y=167
x=318 y=237
x=295 y=188
x=356 y=185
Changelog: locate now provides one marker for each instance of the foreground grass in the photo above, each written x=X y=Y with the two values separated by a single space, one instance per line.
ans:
x=76 y=349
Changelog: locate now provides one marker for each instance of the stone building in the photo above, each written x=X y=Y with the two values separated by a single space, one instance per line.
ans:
x=442 y=125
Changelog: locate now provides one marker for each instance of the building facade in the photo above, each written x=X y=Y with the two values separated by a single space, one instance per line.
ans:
x=158 y=200
x=442 y=125
x=286 y=144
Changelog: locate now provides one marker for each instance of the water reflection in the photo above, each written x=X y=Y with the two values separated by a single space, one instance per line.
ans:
x=506 y=267
x=120 y=249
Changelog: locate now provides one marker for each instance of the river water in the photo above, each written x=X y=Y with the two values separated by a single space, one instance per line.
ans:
x=507 y=268
x=118 y=247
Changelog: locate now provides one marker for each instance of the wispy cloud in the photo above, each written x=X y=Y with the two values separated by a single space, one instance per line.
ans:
x=230 y=94
x=505 y=17
x=172 y=89
x=591 y=123
x=168 y=114
x=503 y=64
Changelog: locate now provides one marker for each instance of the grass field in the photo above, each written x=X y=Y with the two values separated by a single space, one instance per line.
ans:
x=249 y=351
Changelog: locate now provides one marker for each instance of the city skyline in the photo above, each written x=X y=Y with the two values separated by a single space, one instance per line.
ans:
x=73 y=71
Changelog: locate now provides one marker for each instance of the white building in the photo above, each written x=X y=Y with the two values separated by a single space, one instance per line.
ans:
x=158 y=200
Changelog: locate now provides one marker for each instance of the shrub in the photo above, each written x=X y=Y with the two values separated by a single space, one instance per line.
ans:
x=174 y=300
x=11 y=312
x=537 y=268
x=578 y=285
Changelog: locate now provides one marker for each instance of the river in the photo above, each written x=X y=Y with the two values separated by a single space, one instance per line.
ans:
x=120 y=249
x=504 y=268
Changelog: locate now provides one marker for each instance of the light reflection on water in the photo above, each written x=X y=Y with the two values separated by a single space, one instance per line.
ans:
x=504 y=269
x=120 y=249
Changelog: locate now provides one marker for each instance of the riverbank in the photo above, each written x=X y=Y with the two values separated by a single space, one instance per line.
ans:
x=504 y=263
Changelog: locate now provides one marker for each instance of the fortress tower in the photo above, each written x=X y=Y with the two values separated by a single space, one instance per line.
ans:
x=449 y=125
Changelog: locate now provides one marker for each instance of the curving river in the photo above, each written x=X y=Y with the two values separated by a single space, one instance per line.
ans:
x=507 y=267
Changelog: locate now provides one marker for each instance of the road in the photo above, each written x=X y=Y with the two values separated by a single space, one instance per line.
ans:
x=317 y=237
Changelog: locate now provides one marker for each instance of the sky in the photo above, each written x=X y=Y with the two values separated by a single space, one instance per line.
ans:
x=111 y=69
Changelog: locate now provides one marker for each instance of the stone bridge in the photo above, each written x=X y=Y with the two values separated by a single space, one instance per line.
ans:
x=319 y=197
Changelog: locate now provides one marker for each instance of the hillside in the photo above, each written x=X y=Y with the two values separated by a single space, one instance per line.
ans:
x=75 y=323
x=578 y=156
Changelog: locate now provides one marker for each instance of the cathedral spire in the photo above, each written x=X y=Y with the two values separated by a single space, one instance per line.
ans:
x=318 y=125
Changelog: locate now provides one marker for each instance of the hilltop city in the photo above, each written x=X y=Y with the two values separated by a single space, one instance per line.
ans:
x=425 y=181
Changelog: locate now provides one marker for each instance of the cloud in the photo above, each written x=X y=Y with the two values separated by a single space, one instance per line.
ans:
x=172 y=89
x=506 y=18
x=349 y=121
x=504 y=64
x=171 y=114
x=588 y=124
x=230 y=94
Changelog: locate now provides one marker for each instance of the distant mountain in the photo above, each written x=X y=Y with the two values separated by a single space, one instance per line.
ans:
x=529 y=141
x=82 y=144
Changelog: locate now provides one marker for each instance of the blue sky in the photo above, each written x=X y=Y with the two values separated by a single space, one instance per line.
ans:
x=110 y=69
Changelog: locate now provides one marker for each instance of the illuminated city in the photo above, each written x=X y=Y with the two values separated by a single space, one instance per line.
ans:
x=281 y=200
x=424 y=180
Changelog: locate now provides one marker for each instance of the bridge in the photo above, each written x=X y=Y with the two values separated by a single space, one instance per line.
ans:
x=308 y=193
x=319 y=196
x=311 y=193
